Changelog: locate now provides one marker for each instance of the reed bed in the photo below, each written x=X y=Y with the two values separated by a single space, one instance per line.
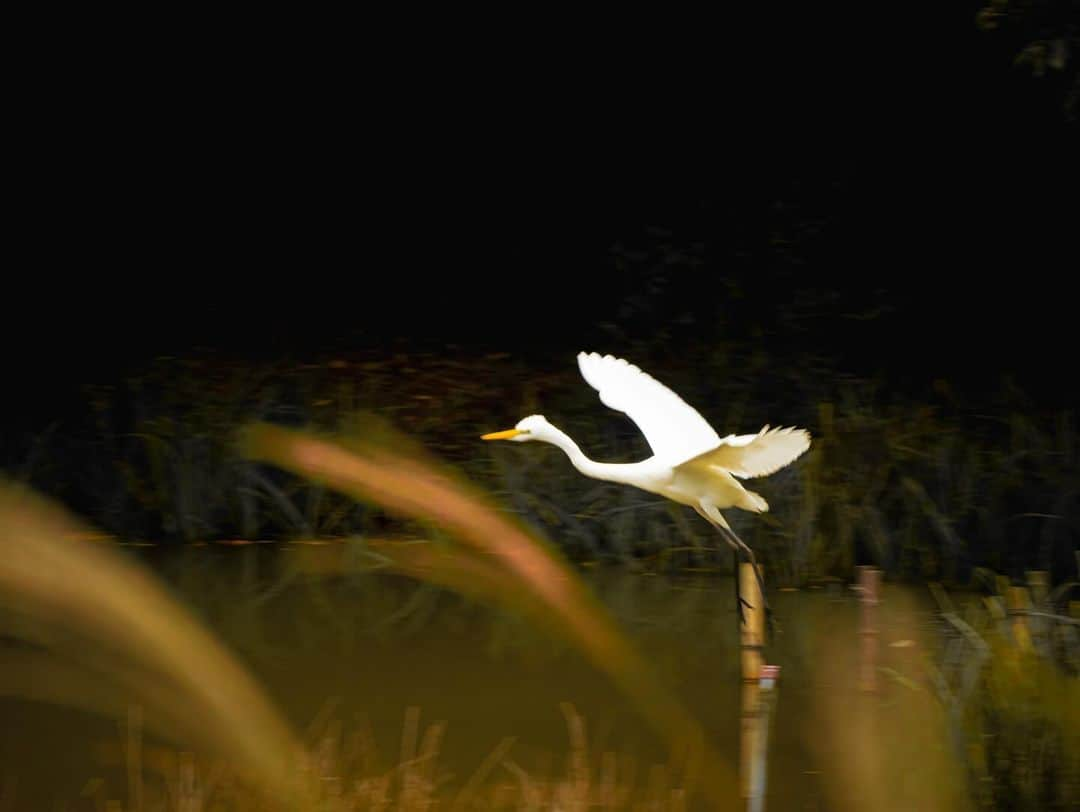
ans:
x=924 y=483
x=342 y=767
x=149 y=646
x=1009 y=677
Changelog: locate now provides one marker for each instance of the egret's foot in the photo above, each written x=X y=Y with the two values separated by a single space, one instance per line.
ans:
x=770 y=617
x=739 y=604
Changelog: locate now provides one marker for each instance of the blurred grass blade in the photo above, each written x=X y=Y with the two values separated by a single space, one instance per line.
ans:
x=500 y=560
x=113 y=627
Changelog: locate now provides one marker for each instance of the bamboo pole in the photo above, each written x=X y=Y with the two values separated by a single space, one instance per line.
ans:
x=1003 y=585
x=1018 y=606
x=869 y=588
x=751 y=639
x=1038 y=582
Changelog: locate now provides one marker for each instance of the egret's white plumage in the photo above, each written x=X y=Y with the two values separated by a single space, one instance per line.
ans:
x=674 y=429
x=691 y=463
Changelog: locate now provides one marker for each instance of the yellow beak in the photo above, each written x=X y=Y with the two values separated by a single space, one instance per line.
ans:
x=502 y=435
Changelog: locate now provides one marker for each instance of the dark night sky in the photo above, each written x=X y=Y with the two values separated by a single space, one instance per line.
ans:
x=909 y=170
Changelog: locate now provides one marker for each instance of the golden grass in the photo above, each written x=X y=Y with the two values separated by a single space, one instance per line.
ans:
x=496 y=558
x=99 y=632
x=343 y=769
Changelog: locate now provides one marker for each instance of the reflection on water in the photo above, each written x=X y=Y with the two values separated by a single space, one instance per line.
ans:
x=335 y=641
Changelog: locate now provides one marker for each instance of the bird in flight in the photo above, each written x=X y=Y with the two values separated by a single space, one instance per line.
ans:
x=691 y=463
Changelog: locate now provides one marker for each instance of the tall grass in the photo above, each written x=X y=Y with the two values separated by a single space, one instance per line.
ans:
x=94 y=631
x=1009 y=678
x=493 y=557
x=496 y=559
x=345 y=767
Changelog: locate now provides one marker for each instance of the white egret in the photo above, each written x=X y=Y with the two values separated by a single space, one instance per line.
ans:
x=691 y=463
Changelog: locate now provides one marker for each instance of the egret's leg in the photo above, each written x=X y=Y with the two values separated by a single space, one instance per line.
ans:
x=740 y=602
x=738 y=543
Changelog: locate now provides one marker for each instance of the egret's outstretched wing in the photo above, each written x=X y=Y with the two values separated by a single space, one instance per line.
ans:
x=753 y=455
x=675 y=431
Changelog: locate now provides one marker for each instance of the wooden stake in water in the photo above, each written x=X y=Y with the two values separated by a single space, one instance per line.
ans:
x=752 y=639
x=752 y=629
x=869 y=587
x=1038 y=582
x=1019 y=606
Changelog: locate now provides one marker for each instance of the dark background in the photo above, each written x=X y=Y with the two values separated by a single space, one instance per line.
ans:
x=890 y=191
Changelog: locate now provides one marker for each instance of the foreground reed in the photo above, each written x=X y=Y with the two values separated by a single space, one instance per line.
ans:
x=344 y=768
x=1009 y=678
x=149 y=648
x=493 y=557
x=96 y=631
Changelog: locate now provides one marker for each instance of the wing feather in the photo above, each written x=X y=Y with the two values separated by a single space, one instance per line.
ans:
x=753 y=455
x=675 y=431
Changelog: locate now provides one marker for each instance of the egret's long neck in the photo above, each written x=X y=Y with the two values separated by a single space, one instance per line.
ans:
x=590 y=468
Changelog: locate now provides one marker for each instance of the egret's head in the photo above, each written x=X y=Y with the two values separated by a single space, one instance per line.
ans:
x=533 y=427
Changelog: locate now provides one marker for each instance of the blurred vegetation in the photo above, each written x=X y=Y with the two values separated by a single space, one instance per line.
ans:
x=926 y=487
x=1009 y=676
x=1044 y=38
x=343 y=768
x=1006 y=674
